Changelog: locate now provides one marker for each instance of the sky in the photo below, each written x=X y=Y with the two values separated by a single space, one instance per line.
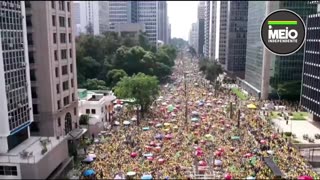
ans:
x=181 y=15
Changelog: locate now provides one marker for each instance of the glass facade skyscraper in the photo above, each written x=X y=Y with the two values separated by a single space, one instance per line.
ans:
x=281 y=71
x=236 y=37
x=310 y=91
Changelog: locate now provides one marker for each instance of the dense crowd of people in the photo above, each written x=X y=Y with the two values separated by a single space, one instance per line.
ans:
x=167 y=145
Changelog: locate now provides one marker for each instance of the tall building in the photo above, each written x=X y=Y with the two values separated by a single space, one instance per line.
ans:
x=169 y=33
x=200 y=23
x=93 y=16
x=212 y=30
x=310 y=91
x=22 y=156
x=15 y=91
x=76 y=15
x=236 y=40
x=151 y=13
x=52 y=67
x=193 y=35
x=223 y=31
x=264 y=70
x=163 y=21
x=206 y=28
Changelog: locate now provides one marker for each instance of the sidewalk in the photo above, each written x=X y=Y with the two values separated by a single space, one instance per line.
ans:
x=299 y=128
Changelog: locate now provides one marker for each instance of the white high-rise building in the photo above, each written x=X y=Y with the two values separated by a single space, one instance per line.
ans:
x=193 y=35
x=15 y=92
x=91 y=13
x=210 y=11
x=22 y=156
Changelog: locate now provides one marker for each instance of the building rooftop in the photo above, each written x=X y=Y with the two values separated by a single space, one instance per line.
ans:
x=32 y=146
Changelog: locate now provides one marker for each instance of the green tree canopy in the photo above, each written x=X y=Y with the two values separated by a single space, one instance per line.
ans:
x=115 y=76
x=95 y=84
x=143 y=88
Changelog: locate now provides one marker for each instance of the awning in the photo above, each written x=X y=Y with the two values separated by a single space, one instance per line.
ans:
x=274 y=168
x=76 y=133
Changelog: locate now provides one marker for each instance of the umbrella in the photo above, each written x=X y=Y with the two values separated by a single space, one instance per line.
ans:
x=134 y=154
x=202 y=163
x=168 y=136
x=170 y=108
x=145 y=128
x=116 y=123
x=89 y=172
x=195 y=113
x=194 y=119
x=175 y=127
x=158 y=136
x=166 y=124
x=159 y=125
x=92 y=155
x=150 y=158
x=228 y=177
x=209 y=104
x=305 y=178
x=164 y=103
x=88 y=159
x=133 y=119
x=167 y=129
x=217 y=162
x=251 y=106
x=263 y=142
x=161 y=160
x=248 y=155
x=251 y=178
x=119 y=177
x=270 y=152
x=131 y=173
x=235 y=137
x=146 y=177
x=173 y=115
x=126 y=122
x=148 y=155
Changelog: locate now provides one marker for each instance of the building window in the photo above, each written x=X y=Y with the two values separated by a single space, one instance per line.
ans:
x=30 y=39
x=71 y=68
x=28 y=20
x=34 y=92
x=62 y=22
x=70 y=53
x=59 y=122
x=58 y=88
x=33 y=75
x=54 y=38
x=61 y=5
x=75 y=111
x=66 y=100
x=63 y=54
x=55 y=55
x=53 y=4
x=57 y=71
x=69 y=22
x=59 y=104
x=64 y=69
x=68 y=6
x=28 y=4
x=8 y=171
x=53 y=20
x=35 y=108
x=62 y=37
x=87 y=111
x=70 y=38
x=72 y=97
x=65 y=85
x=72 y=83
x=93 y=111
x=31 y=57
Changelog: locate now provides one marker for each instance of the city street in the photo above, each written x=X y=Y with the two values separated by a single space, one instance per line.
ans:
x=206 y=138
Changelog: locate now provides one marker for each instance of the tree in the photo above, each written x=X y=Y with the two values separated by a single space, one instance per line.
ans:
x=84 y=119
x=143 y=88
x=115 y=75
x=179 y=43
x=89 y=28
x=192 y=51
x=95 y=84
